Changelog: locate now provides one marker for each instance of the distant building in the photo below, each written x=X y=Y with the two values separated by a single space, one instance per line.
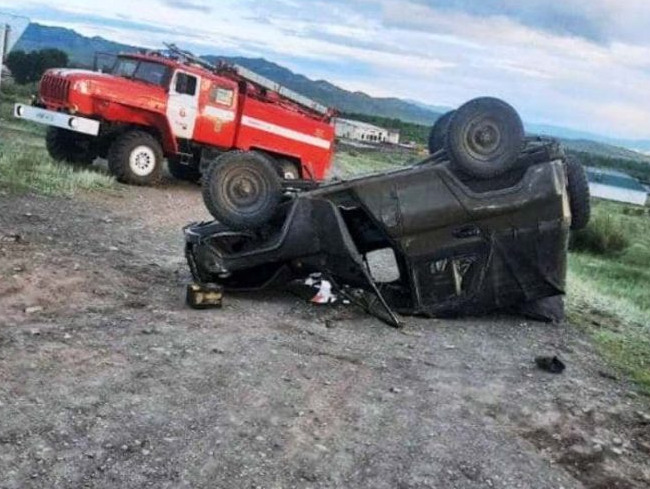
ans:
x=362 y=131
x=615 y=185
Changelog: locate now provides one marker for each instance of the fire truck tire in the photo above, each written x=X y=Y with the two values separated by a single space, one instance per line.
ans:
x=69 y=147
x=189 y=173
x=438 y=134
x=485 y=137
x=136 y=157
x=241 y=189
x=579 y=199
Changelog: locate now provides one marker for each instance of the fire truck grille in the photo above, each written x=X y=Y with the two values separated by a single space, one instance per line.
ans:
x=54 y=88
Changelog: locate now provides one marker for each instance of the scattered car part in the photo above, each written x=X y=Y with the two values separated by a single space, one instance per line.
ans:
x=550 y=364
x=204 y=296
x=463 y=244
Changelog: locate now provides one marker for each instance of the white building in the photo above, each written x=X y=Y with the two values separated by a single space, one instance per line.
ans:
x=615 y=185
x=362 y=131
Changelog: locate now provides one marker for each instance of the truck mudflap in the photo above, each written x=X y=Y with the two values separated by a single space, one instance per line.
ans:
x=458 y=249
x=57 y=119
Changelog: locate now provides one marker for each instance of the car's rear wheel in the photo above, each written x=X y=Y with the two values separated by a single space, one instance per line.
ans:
x=241 y=189
x=69 y=147
x=579 y=198
x=438 y=134
x=485 y=137
x=136 y=157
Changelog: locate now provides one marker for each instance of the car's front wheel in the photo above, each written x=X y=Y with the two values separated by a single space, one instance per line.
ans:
x=241 y=189
x=136 y=157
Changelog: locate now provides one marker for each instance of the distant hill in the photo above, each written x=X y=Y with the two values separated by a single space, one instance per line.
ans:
x=606 y=150
x=81 y=50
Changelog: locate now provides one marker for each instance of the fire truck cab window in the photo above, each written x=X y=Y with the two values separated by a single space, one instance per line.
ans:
x=185 y=84
x=221 y=95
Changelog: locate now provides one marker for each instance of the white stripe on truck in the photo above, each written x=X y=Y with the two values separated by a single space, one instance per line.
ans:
x=222 y=114
x=285 y=132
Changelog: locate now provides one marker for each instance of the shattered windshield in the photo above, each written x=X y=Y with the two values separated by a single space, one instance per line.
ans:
x=145 y=71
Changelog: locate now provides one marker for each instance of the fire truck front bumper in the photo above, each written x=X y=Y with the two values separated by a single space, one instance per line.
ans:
x=57 y=119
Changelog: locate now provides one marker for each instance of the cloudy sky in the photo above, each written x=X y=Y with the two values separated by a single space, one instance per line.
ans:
x=583 y=64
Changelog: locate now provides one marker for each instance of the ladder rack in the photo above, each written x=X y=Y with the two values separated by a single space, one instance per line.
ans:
x=254 y=78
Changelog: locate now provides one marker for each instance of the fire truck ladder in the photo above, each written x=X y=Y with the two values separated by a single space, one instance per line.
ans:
x=253 y=77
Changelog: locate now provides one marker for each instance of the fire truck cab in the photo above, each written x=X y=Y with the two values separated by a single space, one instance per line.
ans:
x=153 y=106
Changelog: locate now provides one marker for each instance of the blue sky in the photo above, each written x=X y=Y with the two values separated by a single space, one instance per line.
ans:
x=583 y=64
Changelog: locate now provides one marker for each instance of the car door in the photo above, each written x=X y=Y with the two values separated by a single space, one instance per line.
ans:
x=183 y=104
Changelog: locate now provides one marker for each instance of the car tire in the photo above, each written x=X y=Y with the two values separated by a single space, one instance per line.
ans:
x=136 y=157
x=485 y=137
x=242 y=189
x=579 y=198
x=69 y=147
x=188 y=173
x=438 y=134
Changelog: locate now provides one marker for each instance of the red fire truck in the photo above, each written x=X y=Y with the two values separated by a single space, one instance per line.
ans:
x=176 y=106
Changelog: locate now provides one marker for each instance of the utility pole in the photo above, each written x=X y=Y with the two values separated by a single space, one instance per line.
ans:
x=5 y=30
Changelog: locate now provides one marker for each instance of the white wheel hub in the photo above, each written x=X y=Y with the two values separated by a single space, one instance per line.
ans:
x=142 y=161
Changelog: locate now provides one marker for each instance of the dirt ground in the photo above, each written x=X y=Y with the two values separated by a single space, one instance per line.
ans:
x=107 y=380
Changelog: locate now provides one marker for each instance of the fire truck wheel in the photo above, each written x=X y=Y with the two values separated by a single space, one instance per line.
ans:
x=438 y=134
x=189 y=173
x=69 y=147
x=241 y=189
x=579 y=201
x=136 y=157
x=485 y=137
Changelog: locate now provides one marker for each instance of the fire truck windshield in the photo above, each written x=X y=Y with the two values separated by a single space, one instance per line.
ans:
x=145 y=71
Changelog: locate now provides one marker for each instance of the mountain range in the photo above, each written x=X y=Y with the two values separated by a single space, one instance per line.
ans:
x=81 y=51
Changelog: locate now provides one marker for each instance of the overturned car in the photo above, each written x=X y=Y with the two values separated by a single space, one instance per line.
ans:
x=482 y=223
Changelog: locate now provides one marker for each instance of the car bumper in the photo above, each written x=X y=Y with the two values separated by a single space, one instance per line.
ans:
x=57 y=119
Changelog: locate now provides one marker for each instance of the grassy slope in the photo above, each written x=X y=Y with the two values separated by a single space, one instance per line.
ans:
x=610 y=297
x=24 y=163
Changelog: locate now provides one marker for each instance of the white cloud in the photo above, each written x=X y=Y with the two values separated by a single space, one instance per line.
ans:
x=408 y=49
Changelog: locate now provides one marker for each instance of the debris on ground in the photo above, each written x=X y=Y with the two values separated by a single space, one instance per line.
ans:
x=550 y=364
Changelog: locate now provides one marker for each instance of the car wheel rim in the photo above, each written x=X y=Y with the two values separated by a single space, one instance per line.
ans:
x=244 y=191
x=142 y=161
x=483 y=139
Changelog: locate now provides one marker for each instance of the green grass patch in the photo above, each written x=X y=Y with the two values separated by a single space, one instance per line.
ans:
x=609 y=293
x=25 y=165
x=24 y=168
x=349 y=163
x=603 y=236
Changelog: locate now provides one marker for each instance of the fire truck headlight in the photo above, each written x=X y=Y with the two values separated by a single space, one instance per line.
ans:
x=73 y=123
